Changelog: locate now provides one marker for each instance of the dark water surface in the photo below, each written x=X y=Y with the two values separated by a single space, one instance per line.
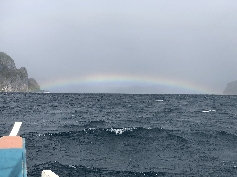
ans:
x=114 y=135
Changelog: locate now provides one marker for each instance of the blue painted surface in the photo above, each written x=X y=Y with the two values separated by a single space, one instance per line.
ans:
x=24 y=159
x=13 y=162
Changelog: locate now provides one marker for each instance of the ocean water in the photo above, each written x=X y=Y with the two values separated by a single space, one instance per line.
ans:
x=113 y=135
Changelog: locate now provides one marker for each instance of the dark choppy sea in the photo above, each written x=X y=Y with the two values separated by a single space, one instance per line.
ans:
x=113 y=135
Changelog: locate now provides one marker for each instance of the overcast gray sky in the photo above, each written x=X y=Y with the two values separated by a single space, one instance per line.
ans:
x=69 y=45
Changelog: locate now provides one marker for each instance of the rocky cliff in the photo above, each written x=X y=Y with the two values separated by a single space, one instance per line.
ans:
x=33 y=86
x=231 y=88
x=13 y=79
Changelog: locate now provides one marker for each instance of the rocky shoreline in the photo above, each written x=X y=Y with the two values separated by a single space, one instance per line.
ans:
x=231 y=88
x=13 y=79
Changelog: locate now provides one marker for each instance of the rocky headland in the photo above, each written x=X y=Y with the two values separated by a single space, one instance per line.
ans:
x=231 y=88
x=13 y=79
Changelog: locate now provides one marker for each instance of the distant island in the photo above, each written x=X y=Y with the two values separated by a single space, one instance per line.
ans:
x=13 y=79
x=231 y=88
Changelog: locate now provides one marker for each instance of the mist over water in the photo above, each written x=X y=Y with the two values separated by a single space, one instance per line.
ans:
x=189 y=41
x=125 y=134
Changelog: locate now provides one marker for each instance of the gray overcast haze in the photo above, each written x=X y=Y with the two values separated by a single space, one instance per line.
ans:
x=61 y=41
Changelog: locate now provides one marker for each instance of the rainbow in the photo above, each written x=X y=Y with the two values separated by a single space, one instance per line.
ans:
x=122 y=80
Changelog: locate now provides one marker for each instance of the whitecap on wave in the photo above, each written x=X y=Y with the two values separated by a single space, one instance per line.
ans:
x=120 y=130
x=209 y=110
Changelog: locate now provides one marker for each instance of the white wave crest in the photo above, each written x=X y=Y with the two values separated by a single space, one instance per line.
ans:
x=119 y=131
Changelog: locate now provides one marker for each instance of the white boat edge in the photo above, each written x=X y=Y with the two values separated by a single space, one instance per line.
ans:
x=15 y=129
x=48 y=173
